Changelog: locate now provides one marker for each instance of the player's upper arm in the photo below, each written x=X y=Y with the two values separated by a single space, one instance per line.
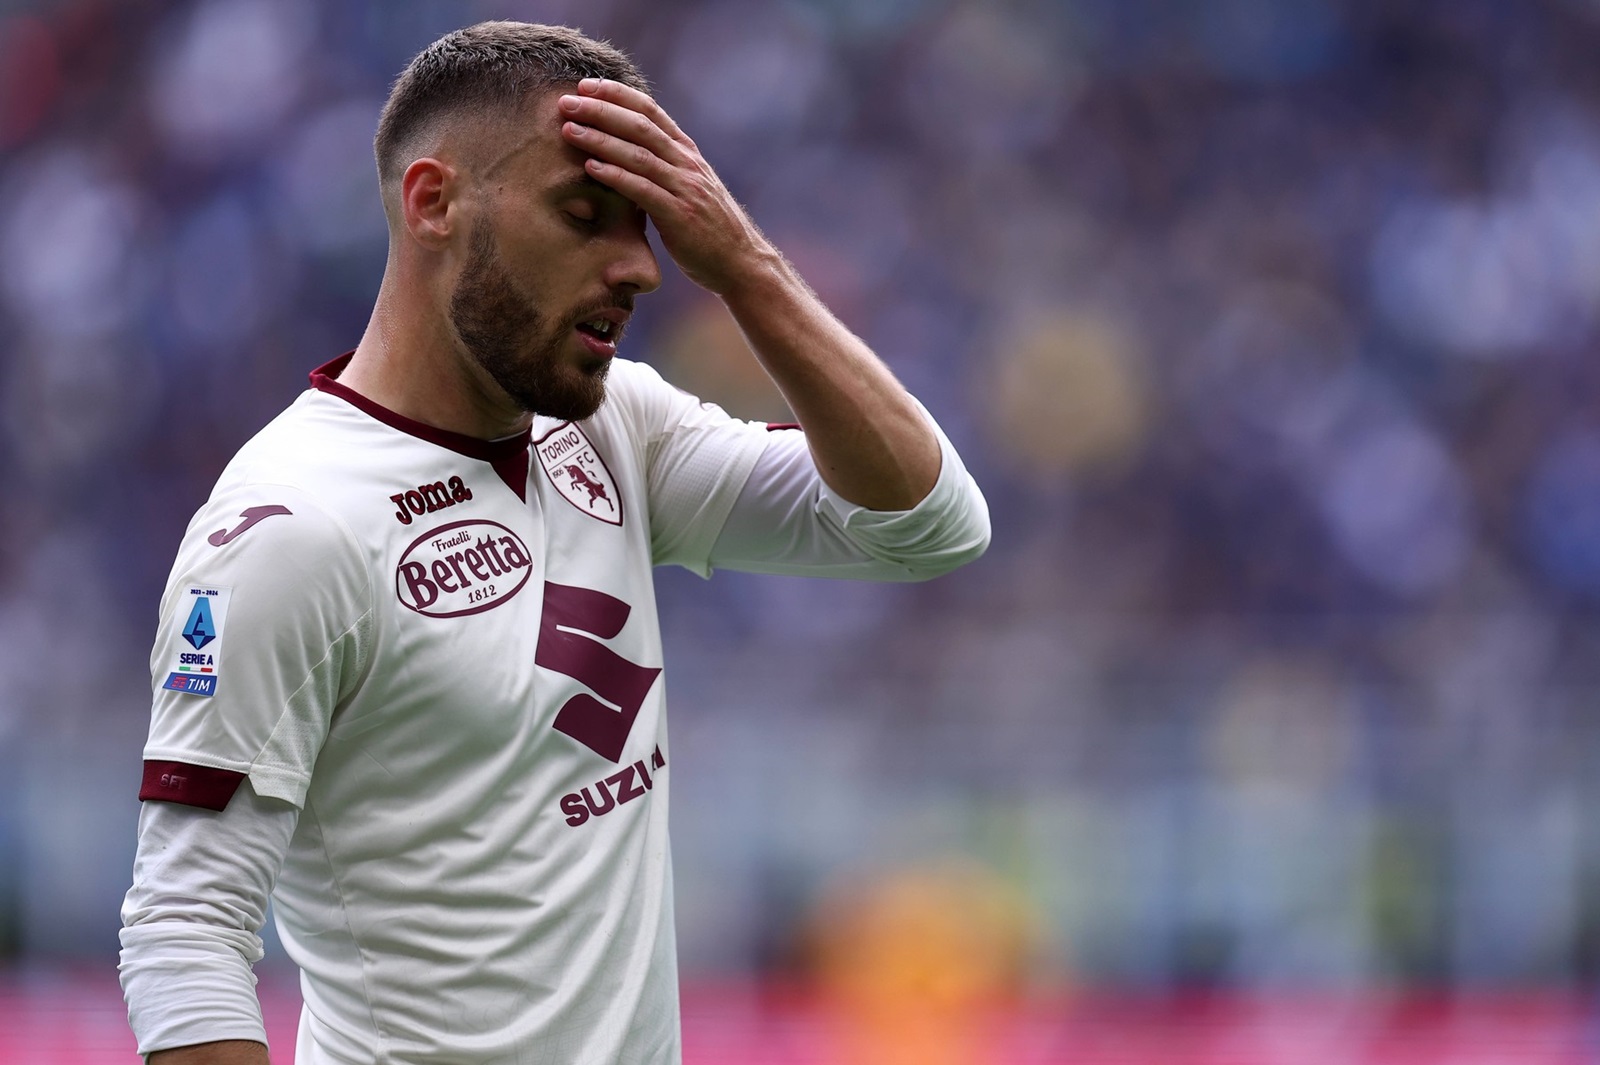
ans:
x=264 y=627
x=696 y=460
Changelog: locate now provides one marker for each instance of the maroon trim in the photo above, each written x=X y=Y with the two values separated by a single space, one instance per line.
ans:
x=509 y=456
x=188 y=784
x=513 y=470
x=773 y=427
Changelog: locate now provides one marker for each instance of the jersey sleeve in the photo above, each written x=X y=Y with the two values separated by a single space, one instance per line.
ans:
x=264 y=627
x=192 y=917
x=697 y=458
x=786 y=520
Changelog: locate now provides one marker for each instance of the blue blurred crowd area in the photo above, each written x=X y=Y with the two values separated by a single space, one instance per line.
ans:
x=1268 y=327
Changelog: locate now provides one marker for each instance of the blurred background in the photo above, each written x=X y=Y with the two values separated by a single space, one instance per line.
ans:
x=1267 y=727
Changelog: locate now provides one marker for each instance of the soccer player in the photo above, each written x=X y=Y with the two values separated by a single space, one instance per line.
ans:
x=407 y=675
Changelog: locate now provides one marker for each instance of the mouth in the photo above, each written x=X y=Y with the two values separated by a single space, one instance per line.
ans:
x=601 y=331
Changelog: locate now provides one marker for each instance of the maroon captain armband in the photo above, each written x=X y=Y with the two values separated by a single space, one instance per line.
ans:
x=191 y=785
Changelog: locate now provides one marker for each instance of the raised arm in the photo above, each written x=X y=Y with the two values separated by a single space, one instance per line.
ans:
x=871 y=443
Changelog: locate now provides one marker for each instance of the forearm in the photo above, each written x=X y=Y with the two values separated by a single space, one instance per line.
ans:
x=871 y=444
x=869 y=441
x=227 y=1052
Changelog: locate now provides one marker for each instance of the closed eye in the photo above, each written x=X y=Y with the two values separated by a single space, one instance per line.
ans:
x=587 y=205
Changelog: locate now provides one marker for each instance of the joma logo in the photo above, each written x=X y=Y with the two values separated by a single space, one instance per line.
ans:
x=427 y=498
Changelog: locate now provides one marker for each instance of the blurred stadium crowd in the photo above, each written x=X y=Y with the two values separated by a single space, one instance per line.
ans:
x=1268 y=326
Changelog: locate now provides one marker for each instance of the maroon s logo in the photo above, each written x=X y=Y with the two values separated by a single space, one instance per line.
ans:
x=251 y=515
x=574 y=622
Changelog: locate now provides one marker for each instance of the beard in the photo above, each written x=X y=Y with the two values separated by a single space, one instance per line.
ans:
x=505 y=333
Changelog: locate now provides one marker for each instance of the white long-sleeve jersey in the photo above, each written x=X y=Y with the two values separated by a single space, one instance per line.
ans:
x=407 y=683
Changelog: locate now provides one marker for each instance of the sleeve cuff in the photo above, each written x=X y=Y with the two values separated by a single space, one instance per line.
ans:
x=198 y=989
x=950 y=523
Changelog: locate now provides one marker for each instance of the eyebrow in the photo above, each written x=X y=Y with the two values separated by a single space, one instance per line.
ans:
x=584 y=184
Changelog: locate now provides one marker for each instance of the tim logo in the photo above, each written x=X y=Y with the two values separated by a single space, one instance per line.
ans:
x=578 y=472
x=191 y=683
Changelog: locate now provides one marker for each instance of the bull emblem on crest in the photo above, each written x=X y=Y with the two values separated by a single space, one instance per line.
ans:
x=596 y=490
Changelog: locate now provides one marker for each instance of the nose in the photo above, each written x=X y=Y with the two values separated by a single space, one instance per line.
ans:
x=634 y=266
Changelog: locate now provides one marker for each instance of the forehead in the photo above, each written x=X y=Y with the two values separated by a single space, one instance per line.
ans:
x=527 y=147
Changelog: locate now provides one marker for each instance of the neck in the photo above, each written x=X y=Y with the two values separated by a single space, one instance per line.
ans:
x=410 y=361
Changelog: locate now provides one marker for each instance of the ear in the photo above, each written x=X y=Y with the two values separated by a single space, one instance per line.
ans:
x=428 y=190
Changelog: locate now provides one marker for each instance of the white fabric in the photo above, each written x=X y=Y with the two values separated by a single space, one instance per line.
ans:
x=787 y=520
x=460 y=881
x=200 y=886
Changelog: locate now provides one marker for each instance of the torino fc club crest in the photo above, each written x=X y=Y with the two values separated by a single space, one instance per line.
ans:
x=580 y=474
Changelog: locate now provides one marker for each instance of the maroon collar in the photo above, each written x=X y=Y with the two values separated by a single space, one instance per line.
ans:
x=508 y=456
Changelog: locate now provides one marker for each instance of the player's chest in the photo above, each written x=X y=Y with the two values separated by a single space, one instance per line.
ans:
x=455 y=540
x=470 y=571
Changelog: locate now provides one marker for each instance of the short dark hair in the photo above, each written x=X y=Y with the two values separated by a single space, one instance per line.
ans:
x=492 y=66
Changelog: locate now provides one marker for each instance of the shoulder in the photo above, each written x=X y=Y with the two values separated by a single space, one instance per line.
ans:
x=635 y=393
x=336 y=463
x=631 y=376
x=652 y=408
x=265 y=530
x=275 y=516
x=274 y=561
x=308 y=438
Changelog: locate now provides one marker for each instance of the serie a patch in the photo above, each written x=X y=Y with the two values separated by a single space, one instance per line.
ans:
x=196 y=661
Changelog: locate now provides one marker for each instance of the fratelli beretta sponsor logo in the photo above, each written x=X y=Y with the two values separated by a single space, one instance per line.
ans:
x=462 y=568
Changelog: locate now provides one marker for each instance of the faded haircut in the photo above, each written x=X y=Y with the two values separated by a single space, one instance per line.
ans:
x=489 y=69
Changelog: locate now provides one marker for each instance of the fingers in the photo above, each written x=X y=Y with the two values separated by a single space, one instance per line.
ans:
x=631 y=169
x=651 y=198
x=628 y=154
x=634 y=147
x=630 y=134
x=633 y=100
x=627 y=123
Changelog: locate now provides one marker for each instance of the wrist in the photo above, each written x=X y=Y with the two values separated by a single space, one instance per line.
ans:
x=758 y=275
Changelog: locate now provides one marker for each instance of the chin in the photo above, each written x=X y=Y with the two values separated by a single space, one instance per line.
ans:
x=579 y=400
